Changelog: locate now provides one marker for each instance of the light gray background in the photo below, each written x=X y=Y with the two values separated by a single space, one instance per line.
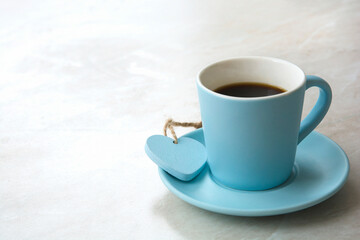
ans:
x=84 y=83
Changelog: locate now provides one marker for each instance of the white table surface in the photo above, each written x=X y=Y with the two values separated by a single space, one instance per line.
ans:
x=84 y=83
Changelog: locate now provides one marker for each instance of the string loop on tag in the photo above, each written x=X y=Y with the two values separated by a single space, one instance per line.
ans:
x=170 y=124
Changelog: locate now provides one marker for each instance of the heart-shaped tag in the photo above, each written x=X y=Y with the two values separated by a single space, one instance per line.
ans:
x=183 y=160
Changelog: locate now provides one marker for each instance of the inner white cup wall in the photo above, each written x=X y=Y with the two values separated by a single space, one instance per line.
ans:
x=260 y=70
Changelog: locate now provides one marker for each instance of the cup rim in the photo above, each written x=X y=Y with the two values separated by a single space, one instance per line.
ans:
x=286 y=93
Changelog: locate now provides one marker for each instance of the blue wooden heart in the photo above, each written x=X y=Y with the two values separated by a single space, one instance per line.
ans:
x=183 y=160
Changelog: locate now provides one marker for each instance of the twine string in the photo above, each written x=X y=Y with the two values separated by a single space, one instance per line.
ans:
x=170 y=124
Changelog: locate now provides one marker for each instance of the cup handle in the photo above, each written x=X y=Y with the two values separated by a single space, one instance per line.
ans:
x=319 y=110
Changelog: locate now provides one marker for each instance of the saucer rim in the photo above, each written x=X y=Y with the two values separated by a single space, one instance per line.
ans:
x=258 y=212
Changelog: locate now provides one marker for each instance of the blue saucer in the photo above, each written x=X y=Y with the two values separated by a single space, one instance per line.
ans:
x=321 y=169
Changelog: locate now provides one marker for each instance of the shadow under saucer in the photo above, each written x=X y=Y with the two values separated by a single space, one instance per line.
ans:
x=195 y=223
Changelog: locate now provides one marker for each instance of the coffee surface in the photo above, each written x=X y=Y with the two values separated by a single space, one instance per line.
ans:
x=249 y=90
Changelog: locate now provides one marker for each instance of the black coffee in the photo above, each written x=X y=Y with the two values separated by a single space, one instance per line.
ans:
x=249 y=90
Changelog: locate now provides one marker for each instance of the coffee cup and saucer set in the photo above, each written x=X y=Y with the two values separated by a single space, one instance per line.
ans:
x=253 y=155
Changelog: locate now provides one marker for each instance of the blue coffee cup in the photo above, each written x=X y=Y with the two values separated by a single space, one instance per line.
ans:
x=251 y=142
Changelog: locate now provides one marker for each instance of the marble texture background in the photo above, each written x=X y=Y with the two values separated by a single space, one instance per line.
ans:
x=84 y=83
